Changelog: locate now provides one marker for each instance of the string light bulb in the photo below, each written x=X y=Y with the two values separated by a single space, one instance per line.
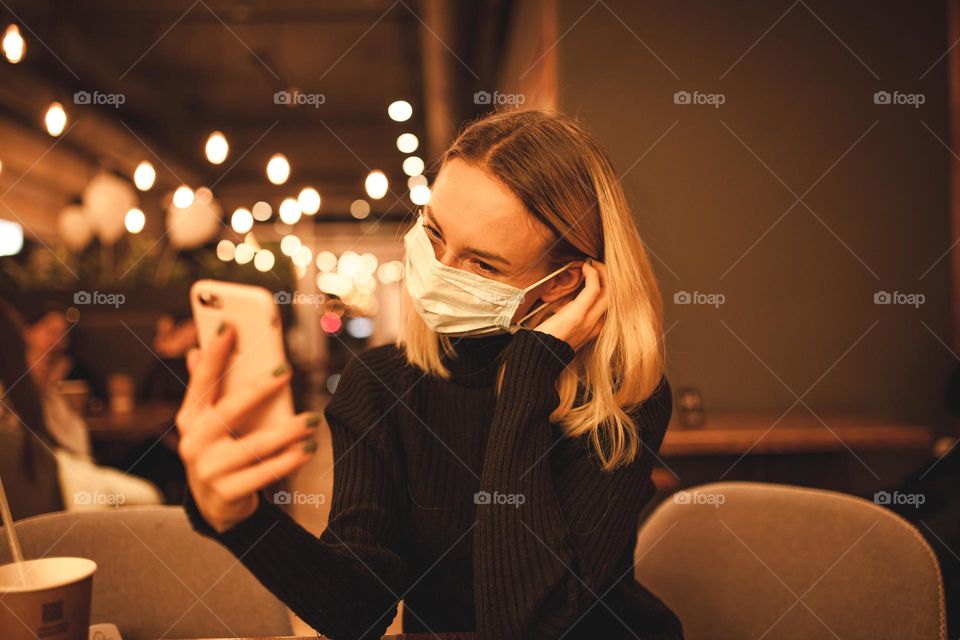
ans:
x=134 y=220
x=144 y=176
x=309 y=201
x=217 y=148
x=55 y=119
x=183 y=197
x=376 y=184
x=407 y=143
x=400 y=111
x=14 y=46
x=278 y=169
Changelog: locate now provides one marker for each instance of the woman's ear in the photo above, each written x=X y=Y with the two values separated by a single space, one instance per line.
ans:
x=565 y=283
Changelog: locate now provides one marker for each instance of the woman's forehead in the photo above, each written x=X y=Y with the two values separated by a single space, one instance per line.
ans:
x=474 y=209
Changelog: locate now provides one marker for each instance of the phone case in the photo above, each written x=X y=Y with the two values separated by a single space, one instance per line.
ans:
x=259 y=346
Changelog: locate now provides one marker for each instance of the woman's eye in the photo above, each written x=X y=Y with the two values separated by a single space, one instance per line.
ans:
x=485 y=267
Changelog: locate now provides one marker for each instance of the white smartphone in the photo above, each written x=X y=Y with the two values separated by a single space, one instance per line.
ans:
x=258 y=351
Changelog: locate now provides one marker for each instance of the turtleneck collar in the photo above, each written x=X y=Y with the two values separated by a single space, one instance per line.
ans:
x=476 y=360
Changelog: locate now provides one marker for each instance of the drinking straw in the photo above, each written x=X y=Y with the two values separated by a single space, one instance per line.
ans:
x=11 y=534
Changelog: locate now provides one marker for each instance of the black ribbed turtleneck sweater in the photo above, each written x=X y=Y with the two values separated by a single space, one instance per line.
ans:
x=548 y=555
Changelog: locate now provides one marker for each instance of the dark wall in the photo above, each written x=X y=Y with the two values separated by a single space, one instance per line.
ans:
x=713 y=189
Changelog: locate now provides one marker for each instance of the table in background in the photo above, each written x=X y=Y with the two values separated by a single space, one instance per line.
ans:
x=145 y=421
x=741 y=434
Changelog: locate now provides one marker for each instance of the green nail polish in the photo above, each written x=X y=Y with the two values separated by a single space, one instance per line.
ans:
x=223 y=325
x=279 y=371
x=310 y=446
x=313 y=420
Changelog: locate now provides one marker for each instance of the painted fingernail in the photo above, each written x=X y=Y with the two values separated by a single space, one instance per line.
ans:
x=223 y=325
x=310 y=445
x=280 y=370
x=313 y=420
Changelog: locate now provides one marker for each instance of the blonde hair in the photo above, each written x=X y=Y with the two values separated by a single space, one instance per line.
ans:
x=565 y=180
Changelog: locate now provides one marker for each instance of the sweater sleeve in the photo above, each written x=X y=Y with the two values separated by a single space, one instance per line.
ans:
x=346 y=583
x=549 y=549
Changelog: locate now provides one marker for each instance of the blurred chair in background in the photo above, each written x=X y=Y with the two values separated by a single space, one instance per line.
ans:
x=750 y=560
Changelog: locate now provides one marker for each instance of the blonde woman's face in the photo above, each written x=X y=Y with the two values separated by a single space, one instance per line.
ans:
x=478 y=225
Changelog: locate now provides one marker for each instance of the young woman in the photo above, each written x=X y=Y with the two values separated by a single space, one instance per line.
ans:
x=489 y=467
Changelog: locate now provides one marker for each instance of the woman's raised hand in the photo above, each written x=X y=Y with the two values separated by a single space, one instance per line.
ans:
x=227 y=463
x=581 y=319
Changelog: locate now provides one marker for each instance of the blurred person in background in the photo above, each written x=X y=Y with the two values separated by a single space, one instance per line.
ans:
x=30 y=403
x=48 y=362
x=167 y=380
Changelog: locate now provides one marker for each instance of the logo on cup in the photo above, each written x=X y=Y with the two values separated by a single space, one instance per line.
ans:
x=52 y=611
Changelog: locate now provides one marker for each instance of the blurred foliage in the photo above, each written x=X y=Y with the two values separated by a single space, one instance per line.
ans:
x=135 y=262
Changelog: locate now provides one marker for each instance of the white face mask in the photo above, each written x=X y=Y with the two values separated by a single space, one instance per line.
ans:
x=456 y=302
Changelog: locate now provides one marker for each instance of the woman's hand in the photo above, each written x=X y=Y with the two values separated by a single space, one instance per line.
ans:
x=226 y=463
x=581 y=318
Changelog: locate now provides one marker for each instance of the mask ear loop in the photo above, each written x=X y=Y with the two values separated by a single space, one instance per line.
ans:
x=518 y=324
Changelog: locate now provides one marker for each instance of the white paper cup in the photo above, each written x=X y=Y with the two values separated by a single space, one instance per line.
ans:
x=53 y=603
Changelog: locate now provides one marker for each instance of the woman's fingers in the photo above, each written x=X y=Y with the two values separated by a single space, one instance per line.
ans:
x=192 y=356
x=209 y=369
x=225 y=420
x=595 y=304
x=238 y=484
x=231 y=454
x=231 y=410
x=591 y=292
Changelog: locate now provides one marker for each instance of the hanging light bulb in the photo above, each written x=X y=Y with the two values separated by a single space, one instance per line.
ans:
x=244 y=253
x=144 y=176
x=263 y=260
x=376 y=184
x=217 y=148
x=420 y=194
x=11 y=238
x=413 y=166
x=262 y=211
x=360 y=209
x=134 y=220
x=413 y=181
x=303 y=256
x=183 y=197
x=309 y=200
x=290 y=211
x=14 y=46
x=241 y=220
x=400 y=110
x=203 y=195
x=290 y=244
x=55 y=119
x=407 y=143
x=225 y=250
x=278 y=169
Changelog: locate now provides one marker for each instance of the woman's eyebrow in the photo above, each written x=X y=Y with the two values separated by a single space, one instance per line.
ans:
x=477 y=252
